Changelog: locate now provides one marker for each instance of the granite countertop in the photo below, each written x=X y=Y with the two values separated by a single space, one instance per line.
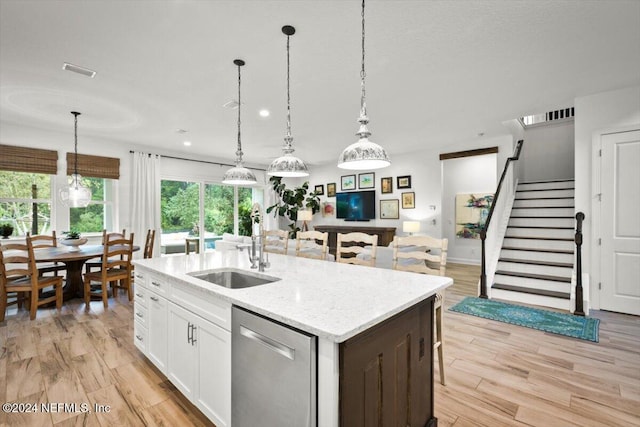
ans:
x=331 y=300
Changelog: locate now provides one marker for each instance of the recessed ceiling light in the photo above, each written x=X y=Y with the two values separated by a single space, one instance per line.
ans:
x=181 y=131
x=78 y=69
x=187 y=143
x=264 y=113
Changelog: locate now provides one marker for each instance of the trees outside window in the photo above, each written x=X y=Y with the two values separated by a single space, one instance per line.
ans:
x=99 y=214
x=25 y=202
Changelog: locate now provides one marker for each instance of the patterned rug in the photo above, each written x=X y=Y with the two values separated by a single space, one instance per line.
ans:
x=584 y=328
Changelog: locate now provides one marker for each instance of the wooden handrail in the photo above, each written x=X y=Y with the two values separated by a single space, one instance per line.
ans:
x=579 y=311
x=483 y=232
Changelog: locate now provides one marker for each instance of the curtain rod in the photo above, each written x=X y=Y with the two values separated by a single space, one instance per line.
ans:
x=199 y=161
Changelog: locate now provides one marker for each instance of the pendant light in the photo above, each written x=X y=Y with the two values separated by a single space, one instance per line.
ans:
x=288 y=165
x=363 y=154
x=75 y=195
x=239 y=175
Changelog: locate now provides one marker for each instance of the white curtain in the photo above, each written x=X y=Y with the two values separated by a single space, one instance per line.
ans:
x=145 y=199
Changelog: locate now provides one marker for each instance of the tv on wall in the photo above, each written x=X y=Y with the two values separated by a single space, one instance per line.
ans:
x=356 y=205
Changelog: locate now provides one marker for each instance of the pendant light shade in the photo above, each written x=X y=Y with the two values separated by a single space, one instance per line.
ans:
x=363 y=154
x=239 y=175
x=288 y=165
x=75 y=195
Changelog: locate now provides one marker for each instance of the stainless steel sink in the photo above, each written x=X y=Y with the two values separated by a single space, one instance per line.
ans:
x=233 y=278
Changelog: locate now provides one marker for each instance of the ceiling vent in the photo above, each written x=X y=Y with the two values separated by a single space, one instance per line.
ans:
x=78 y=69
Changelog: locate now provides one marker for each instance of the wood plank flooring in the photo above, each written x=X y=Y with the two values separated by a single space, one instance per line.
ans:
x=497 y=374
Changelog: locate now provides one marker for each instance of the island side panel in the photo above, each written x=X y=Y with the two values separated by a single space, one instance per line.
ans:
x=386 y=372
x=328 y=383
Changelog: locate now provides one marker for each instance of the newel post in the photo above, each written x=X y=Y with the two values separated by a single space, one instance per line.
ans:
x=579 y=311
x=483 y=271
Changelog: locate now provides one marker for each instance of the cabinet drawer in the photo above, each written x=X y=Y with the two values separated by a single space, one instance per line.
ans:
x=157 y=285
x=140 y=336
x=140 y=314
x=139 y=277
x=205 y=305
x=140 y=294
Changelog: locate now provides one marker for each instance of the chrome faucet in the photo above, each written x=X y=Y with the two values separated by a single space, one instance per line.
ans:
x=256 y=216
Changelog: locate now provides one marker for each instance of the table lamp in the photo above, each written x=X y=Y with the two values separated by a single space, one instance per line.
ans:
x=305 y=216
x=410 y=227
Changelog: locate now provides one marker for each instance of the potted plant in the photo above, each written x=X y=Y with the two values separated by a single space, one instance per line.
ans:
x=6 y=230
x=73 y=239
x=291 y=201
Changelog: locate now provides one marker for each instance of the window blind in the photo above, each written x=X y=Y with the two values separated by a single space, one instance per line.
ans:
x=94 y=166
x=25 y=159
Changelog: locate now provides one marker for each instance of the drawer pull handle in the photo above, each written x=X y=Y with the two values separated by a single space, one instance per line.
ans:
x=139 y=337
x=139 y=295
x=155 y=283
x=139 y=315
x=155 y=299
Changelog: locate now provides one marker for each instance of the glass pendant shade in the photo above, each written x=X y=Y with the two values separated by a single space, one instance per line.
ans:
x=75 y=195
x=288 y=165
x=239 y=175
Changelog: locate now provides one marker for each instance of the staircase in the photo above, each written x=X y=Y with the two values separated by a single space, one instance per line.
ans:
x=537 y=255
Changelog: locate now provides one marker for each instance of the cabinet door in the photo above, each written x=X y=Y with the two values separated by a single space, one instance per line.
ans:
x=182 y=369
x=214 y=362
x=158 y=320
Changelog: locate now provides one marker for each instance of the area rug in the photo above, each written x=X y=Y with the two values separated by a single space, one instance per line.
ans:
x=584 y=328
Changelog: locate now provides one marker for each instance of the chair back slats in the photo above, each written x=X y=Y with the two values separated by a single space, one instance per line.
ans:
x=148 y=244
x=312 y=244
x=117 y=252
x=276 y=241
x=356 y=242
x=44 y=240
x=17 y=261
x=420 y=254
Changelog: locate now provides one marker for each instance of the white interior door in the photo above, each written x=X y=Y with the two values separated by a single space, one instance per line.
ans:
x=620 y=222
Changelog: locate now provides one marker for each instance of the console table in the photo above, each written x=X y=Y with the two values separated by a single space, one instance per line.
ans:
x=385 y=234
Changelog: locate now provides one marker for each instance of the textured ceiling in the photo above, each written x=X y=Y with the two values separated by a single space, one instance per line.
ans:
x=438 y=72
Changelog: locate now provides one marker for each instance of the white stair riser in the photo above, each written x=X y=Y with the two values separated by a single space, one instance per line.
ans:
x=541 y=232
x=541 y=300
x=543 y=212
x=543 y=222
x=535 y=269
x=536 y=256
x=546 y=185
x=539 y=244
x=526 y=282
x=546 y=193
x=542 y=202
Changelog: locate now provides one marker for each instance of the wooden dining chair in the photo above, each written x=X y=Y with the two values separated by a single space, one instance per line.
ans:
x=116 y=269
x=40 y=241
x=148 y=244
x=97 y=264
x=425 y=255
x=312 y=244
x=19 y=277
x=355 y=246
x=277 y=241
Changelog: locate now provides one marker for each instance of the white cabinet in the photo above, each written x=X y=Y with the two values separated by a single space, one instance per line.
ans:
x=200 y=363
x=157 y=330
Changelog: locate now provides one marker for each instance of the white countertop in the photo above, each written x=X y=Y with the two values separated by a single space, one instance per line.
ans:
x=331 y=300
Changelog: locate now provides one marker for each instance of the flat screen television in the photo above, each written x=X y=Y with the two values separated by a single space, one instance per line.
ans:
x=356 y=205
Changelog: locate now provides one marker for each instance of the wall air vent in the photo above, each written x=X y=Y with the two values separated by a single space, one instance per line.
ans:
x=563 y=115
x=78 y=69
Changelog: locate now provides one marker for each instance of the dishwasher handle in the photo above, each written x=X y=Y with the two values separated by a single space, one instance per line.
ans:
x=271 y=344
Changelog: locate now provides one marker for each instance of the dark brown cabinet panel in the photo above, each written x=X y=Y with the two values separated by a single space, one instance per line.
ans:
x=386 y=372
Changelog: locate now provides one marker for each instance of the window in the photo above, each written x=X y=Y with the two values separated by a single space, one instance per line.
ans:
x=98 y=215
x=25 y=202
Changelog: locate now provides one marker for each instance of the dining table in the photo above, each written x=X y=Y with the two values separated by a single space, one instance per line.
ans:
x=73 y=260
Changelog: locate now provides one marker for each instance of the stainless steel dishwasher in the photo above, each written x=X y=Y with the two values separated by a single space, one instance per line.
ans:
x=274 y=373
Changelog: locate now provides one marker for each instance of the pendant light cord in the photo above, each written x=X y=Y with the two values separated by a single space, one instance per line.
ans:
x=363 y=74
x=239 y=151
x=288 y=141
x=75 y=133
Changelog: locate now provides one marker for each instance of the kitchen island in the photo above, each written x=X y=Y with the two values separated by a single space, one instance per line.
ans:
x=347 y=307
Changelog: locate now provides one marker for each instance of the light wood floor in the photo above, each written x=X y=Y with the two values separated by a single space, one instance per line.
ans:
x=497 y=374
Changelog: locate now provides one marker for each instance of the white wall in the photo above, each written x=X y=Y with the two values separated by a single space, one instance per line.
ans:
x=548 y=152
x=593 y=115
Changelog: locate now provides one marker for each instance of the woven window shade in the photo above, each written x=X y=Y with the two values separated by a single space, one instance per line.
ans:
x=94 y=166
x=24 y=159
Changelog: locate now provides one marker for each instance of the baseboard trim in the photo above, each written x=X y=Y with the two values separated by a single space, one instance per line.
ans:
x=463 y=261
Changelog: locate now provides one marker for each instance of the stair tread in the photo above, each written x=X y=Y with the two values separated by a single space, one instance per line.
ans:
x=542 y=227
x=535 y=276
x=540 y=238
x=534 y=262
x=546 y=189
x=545 y=217
x=543 y=207
x=553 y=251
x=545 y=182
x=554 y=294
x=542 y=198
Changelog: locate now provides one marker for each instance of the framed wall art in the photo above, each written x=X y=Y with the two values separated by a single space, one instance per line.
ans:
x=331 y=189
x=319 y=190
x=472 y=211
x=367 y=180
x=404 y=181
x=408 y=200
x=389 y=209
x=348 y=182
x=386 y=185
